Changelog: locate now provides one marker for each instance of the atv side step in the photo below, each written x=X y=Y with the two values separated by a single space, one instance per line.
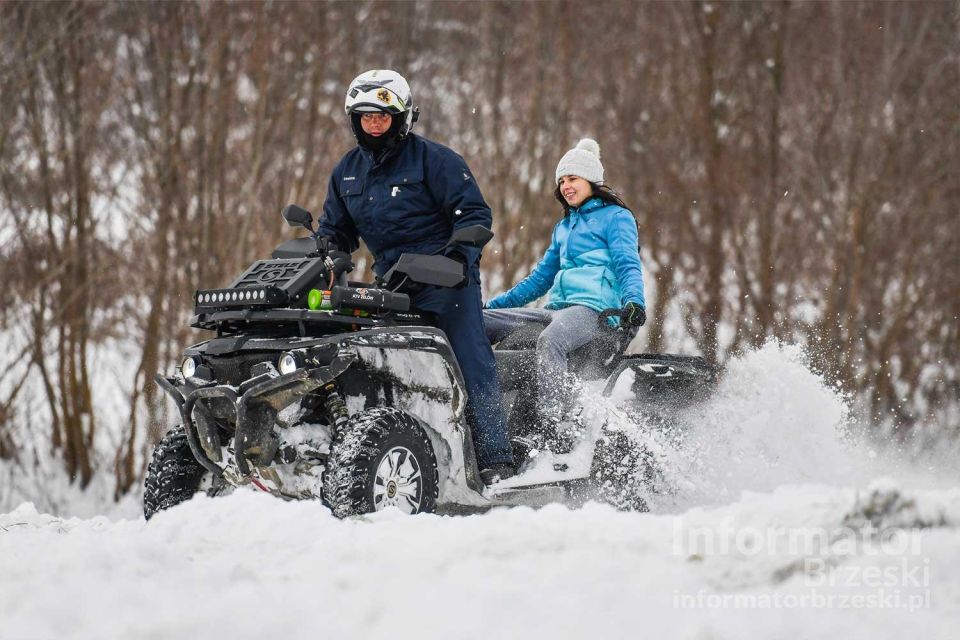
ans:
x=528 y=496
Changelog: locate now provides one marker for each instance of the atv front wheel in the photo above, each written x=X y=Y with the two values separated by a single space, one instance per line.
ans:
x=381 y=459
x=173 y=475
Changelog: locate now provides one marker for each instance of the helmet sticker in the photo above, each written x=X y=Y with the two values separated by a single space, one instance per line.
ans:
x=383 y=96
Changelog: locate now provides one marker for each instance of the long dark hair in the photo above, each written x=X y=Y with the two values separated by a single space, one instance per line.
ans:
x=601 y=191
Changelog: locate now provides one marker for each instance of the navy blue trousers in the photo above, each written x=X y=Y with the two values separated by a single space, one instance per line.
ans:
x=459 y=314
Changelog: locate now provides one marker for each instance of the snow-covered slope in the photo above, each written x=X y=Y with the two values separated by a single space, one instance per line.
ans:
x=776 y=526
x=248 y=566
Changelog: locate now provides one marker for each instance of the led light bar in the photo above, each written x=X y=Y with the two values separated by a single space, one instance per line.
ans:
x=242 y=297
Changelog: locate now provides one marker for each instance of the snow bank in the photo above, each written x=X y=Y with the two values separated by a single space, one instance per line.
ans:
x=249 y=566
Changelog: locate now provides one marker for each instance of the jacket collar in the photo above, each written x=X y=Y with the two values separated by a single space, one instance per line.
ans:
x=589 y=205
x=379 y=158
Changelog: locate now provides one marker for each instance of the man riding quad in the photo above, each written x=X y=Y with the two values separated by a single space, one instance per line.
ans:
x=402 y=193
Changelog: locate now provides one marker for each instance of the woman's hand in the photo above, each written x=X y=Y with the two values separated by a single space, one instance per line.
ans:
x=633 y=315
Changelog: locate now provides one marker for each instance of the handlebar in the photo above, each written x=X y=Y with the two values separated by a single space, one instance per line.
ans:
x=605 y=315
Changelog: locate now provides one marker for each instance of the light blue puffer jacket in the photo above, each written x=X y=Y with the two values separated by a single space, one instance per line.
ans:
x=592 y=261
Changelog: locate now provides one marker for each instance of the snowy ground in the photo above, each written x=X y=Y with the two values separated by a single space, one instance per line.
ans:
x=248 y=566
x=778 y=528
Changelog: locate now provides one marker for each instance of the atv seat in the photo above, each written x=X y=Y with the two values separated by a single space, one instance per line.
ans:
x=516 y=354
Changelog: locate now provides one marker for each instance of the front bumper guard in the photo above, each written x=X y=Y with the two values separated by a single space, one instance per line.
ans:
x=256 y=404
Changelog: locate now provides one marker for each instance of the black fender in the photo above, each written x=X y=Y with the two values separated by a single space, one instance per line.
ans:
x=665 y=379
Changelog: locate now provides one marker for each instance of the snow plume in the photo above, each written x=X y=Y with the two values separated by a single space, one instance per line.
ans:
x=770 y=422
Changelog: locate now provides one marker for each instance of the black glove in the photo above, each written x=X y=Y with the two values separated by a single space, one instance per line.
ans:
x=339 y=262
x=633 y=315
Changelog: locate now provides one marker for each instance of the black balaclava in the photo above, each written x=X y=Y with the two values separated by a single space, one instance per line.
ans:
x=377 y=145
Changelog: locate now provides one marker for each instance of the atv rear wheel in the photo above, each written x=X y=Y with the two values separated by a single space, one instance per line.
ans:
x=173 y=475
x=623 y=471
x=382 y=458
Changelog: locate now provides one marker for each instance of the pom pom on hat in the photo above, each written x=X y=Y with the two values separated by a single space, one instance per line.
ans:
x=582 y=161
x=591 y=145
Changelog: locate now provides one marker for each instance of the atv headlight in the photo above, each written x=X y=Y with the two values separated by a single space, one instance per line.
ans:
x=188 y=367
x=289 y=362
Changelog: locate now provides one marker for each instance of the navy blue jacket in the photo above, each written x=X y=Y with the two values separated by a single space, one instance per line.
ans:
x=410 y=201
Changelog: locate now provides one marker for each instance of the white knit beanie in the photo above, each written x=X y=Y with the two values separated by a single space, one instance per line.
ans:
x=582 y=161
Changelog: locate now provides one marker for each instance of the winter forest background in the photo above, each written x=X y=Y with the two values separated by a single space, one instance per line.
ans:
x=793 y=167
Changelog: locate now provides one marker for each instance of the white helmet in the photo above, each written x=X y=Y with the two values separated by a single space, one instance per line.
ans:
x=382 y=90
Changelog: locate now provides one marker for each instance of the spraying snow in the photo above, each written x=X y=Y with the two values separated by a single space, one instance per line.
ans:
x=772 y=422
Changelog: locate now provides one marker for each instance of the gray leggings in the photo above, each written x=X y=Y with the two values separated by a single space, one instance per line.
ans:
x=566 y=330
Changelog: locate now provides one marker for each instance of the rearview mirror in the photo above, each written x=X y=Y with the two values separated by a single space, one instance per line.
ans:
x=475 y=235
x=297 y=216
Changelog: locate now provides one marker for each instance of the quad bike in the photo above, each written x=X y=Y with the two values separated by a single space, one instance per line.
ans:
x=315 y=387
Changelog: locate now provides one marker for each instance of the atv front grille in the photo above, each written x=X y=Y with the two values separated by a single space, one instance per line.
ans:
x=234 y=370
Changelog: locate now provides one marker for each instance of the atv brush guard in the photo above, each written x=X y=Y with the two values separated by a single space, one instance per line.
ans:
x=255 y=406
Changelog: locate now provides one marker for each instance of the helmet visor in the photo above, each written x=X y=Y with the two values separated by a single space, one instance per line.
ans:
x=366 y=107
